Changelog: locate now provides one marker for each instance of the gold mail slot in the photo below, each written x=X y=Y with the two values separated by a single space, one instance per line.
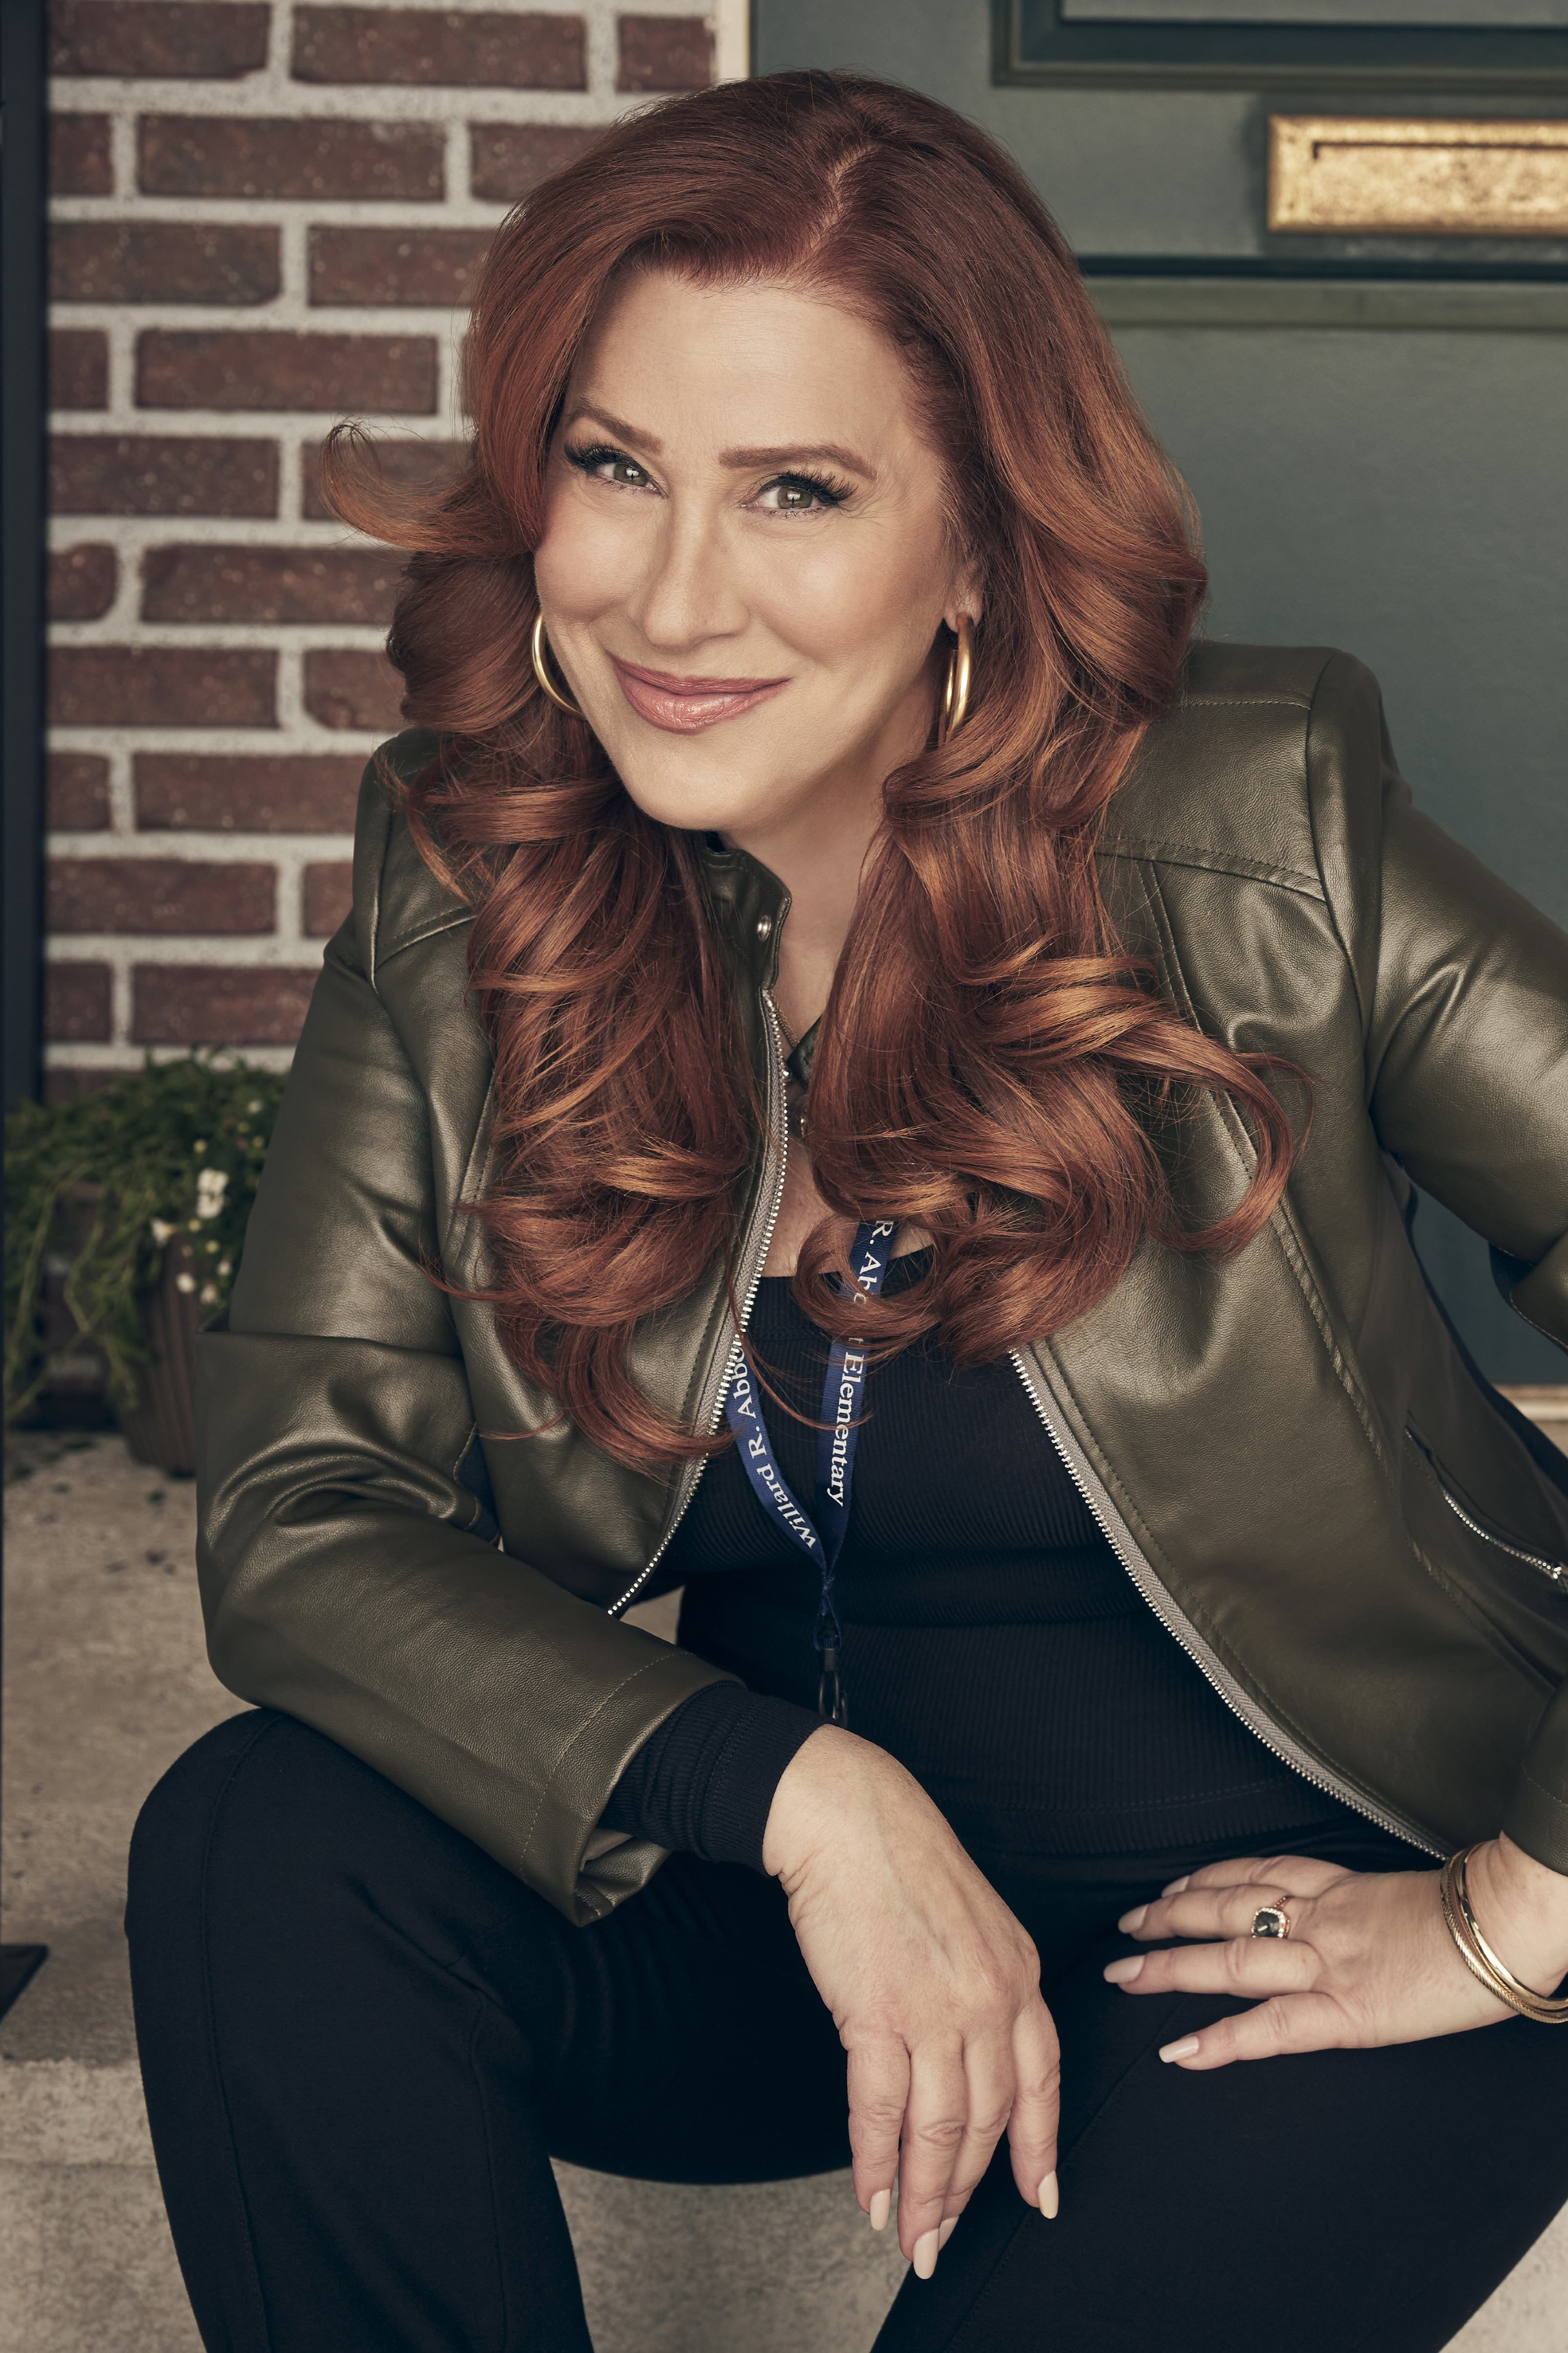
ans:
x=1335 y=174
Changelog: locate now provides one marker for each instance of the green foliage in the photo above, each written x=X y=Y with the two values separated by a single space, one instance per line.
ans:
x=108 y=1181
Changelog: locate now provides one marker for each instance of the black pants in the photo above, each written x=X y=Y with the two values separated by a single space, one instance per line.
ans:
x=363 y=2040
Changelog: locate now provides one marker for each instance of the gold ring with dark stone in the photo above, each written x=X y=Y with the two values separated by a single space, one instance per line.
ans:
x=1270 y=1920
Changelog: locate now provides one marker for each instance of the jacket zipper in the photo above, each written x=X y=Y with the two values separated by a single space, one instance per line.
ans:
x=753 y=1259
x=1118 y=1536
x=1107 y=1518
x=1556 y=1569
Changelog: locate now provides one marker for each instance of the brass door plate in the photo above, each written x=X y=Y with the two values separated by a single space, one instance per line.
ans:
x=1338 y=174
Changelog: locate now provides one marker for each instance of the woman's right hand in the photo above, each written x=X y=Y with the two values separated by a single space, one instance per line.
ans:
x=933 y=1986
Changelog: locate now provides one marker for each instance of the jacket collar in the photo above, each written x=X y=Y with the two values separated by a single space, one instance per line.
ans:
x=748 y=909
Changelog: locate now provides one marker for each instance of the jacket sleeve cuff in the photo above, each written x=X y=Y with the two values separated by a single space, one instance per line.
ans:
x=703 y=1782
x=1537 y=1814
x=563 y=1853
x=1542 y=1297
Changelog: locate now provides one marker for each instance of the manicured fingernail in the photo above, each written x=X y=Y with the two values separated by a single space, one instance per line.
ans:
x=1122 y=1972
x=1182 y=2050
x=1133 y=1919
x=946 y=2231
x=1050 y=2198
x=927 y=2246
x=880 y=2208
x=1177 y=1886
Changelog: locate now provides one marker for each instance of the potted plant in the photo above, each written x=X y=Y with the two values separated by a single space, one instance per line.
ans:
x=139 y=1195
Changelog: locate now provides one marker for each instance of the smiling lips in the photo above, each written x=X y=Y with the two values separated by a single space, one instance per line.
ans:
x=684 y=706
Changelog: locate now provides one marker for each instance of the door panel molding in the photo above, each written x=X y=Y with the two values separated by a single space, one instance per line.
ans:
x=1033 y=43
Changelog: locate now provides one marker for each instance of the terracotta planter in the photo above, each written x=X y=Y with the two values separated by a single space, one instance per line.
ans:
x=162 y=1430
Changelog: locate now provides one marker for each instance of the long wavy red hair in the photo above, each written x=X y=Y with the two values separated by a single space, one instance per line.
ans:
x=1006 y=1053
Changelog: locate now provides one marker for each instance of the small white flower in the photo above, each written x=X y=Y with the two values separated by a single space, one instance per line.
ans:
x=186 y=1282
x=225 y=1266
x=209 y=1294
x=162 y=1232
x=200 y=1144
x=212 y=1184
x=254 y=1104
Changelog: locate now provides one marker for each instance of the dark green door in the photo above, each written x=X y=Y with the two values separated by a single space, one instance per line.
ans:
x=1375 y=426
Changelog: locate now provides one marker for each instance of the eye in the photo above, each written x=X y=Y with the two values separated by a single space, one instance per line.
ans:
x=612 y=466
x=798 y=494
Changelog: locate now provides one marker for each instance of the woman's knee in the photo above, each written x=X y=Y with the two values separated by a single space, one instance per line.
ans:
x=267 y=1838
x=249 y=1800
x=175 y=1824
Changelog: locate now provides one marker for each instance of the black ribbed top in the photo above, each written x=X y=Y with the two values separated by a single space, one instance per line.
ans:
x=992 y=1640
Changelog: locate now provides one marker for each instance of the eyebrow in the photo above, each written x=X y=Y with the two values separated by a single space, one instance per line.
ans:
x=618 y=426
x=739 y=460
x=833 y=451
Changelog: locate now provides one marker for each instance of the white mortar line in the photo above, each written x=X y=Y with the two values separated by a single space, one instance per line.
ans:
x=293 y=294
x=250 y=951
x=459 y=194
x=601 y=56
x=211 y=742
x=246 y=423
x=254 y=99
x=240 y=424
x=279 y=41
x=292 y=715
x=292 y=860
x=134 y=533
x=202 y=637
x=273 y=212
x=189 y=842
x=122 y=160
x=122 y=797
x=120 y=1002
x=291 y=515
x=280 y=311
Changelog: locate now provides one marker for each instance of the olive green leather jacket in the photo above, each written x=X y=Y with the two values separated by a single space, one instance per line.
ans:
x=1357 y=1543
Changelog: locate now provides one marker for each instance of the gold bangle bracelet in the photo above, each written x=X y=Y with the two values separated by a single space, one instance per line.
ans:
x=1549 y=2010
x=1472 y=1960
x=1478 y=1957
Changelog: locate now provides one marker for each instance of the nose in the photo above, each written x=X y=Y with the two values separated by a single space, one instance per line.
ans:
x=689 y=595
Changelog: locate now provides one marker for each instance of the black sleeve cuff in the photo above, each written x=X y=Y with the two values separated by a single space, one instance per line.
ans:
x=703 y=1782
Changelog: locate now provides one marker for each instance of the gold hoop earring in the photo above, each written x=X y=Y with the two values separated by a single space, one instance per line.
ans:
x=542 y=672
x=956 y=692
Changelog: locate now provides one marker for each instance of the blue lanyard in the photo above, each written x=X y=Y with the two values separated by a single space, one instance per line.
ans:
x=823 y=1537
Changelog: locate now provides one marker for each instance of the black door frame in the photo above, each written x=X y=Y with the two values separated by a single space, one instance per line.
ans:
x=22 y=413
x=1033 y=43
x=22 y=424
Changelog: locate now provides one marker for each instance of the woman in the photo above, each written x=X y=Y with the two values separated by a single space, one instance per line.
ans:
x=883 y=933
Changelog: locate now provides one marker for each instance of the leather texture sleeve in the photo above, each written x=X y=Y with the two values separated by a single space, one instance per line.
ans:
x=1464 y=988
x=1464 y=994
x=347 y=1577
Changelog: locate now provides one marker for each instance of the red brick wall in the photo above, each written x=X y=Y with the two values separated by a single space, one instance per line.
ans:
x=266 y=215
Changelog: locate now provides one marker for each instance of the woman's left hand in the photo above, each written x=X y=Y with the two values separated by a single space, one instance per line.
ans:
x=1369 y=1959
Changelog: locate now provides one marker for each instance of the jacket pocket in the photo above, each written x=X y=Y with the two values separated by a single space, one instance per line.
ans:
x=1556 y=1571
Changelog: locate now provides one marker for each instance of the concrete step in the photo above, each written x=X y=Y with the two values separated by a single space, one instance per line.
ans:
x=88 y=2265
x=105 y=1684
